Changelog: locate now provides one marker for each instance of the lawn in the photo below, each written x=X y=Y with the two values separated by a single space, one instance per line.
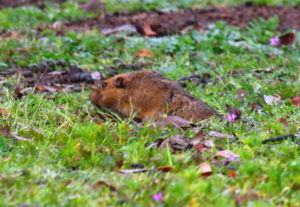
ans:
x=57 y=149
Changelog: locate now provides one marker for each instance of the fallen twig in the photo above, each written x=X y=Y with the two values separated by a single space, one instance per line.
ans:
x=282 y=138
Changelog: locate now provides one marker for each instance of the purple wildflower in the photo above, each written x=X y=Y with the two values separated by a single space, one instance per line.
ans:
x=233 y=159
x=157 y=197
x=231 y=117
x=274 y=41
x=230 y=160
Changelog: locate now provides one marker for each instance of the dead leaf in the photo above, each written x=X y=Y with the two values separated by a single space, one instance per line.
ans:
x=69 y=87
x=199 y=147
x=205 y=167
x=144 y=53
x=253 y=105
x=205 y=170
x=176 y=121
x=256 y=107
x=139 y=16
x=227 y=154
x=23 y=51
x=284 y=121
x=165 y=168
x=126 y=27
x=101 y=183
x=18 y=93
x=46 y=88
x=287 y=39
x=199 y=135
x=5 y=130
x=148 y=30
x=4 y=112
x=15 y=34
x=296 y=101
x=119 y=163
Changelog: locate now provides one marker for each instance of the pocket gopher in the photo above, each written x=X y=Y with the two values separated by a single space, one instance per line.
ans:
x=147 y=95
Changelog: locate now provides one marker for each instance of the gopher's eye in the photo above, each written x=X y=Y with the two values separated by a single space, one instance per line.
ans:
x=103 y=84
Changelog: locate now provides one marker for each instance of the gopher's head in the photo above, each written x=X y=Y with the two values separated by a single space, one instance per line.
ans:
x=109 y=93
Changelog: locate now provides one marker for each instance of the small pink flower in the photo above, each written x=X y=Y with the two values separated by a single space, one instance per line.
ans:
x=157 y=197
x=274 y=41
x=231 y=117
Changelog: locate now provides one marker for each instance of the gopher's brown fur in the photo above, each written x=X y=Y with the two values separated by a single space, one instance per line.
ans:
x=147 y=95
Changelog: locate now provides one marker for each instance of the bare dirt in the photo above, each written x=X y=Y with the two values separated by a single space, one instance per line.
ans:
x=167 y=23
x=155 y=23
x=53 y=77
x=59 y=76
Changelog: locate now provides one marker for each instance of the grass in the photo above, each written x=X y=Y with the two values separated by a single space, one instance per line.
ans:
x=72 y=148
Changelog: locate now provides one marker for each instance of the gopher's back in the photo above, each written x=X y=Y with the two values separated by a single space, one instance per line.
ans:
x=148 y=94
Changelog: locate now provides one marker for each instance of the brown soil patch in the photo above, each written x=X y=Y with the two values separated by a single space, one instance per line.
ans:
x=166 y=23
x=45 y=77
x=58 y=76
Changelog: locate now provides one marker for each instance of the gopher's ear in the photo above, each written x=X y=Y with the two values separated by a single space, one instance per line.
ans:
x=119 y=82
